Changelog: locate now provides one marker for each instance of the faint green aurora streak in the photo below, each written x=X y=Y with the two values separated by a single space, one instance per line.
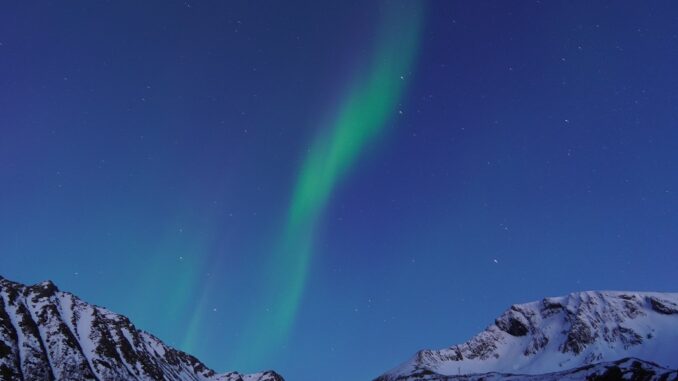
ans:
x=361 y=117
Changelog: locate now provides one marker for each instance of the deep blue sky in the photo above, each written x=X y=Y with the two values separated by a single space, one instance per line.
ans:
x=149 y=152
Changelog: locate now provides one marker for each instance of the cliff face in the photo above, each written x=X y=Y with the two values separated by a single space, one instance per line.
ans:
x=46 y=334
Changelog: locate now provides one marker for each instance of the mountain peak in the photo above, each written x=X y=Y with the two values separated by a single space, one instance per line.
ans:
x=45 y=289
x=559 y=333
x=46 y=334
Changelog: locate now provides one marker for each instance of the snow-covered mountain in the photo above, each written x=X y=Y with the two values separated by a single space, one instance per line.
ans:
x=570 y=335
x=46 y=334
x=624 y=369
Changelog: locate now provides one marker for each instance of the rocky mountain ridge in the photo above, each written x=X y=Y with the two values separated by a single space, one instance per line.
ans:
x=47 y=334
x=560 y=334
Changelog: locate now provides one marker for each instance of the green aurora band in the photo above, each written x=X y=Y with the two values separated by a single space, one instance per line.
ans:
x=361 y=117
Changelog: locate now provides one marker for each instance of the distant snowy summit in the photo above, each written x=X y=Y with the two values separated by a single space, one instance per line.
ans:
x=594 y=335
x=46 y=334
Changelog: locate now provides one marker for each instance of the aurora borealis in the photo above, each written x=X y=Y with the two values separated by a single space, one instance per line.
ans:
x=361 y=116
x=327 y=187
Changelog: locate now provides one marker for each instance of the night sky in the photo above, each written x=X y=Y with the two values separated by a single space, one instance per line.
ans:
x=325 y=188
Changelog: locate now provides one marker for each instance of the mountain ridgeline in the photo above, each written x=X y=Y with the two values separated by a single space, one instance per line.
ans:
x=582 y=336
x=46 y=334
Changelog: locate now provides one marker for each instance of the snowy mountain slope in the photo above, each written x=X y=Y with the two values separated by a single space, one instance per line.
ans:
x=46 y=334
x=624 y=369
x=561 y=333
x=235 y=376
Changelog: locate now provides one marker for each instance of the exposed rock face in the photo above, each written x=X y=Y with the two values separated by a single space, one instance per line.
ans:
x=46 y=334
x=663 y=306
x=557 y=334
